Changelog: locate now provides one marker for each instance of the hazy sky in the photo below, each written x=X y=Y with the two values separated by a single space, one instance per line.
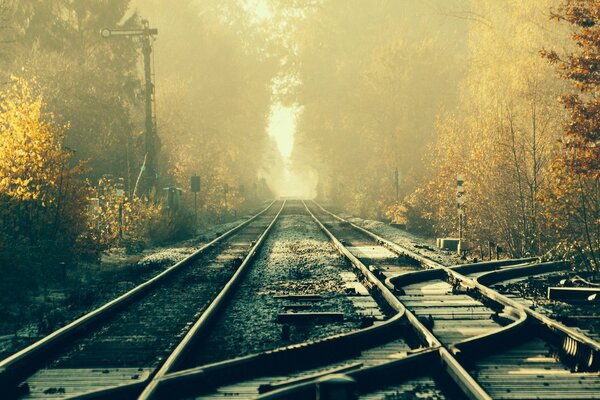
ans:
x=282 y=126
x=282 y=121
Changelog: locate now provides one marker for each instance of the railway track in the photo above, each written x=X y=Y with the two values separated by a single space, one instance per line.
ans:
x=470 y=323
x=298 y=289
x=532 y=356
x=140 y=334
x=401 y=344
x=451 y=337
x=580 y=314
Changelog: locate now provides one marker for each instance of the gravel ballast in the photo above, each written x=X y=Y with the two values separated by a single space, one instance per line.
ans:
x=89 y=285
x=296 y=259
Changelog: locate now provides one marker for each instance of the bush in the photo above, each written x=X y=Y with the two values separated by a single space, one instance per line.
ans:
x=42 y=198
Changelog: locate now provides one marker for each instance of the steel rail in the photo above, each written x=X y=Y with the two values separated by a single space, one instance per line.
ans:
x=575 y=344
x=207 y=376
x=277 y=360
x=15 y=368
x=475 y=344
x=420 y=329
x=496 y=265
x=493 y=277
x=489 y=342
x=375 y=376
x=426 y=262
x=591 y=356
x=203 y=323
x=454 y=369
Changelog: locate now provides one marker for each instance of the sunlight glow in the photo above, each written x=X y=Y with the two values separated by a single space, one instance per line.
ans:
x=282 y=126
x=259 y=8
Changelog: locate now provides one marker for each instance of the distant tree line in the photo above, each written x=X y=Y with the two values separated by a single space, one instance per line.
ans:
x=438 y=89
x=72 y=124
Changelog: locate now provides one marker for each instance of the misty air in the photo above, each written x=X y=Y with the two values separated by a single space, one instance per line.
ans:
x=299 y=199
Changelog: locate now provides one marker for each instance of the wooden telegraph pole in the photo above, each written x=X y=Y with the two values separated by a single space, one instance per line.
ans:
x=149 y=170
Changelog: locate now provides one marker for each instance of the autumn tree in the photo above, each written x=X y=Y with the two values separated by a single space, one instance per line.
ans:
x=572 y=203
x=500 y=137
x=42 y=196
x=117 y=220
x=43 y=199
x=582 y=68
x=88 y=81
x=371 y=79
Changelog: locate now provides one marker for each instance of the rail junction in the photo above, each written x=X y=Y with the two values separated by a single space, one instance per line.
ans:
x=430 y=331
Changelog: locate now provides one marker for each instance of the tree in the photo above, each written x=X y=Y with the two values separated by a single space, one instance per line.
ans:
x=42 y=199
x=501 y=135
x=572 y=203
x=571 y=206
x=582 y=132
x=88 y=81
x=371 y=79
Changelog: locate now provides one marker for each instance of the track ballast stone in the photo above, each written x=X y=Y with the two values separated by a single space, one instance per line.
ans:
x=296 y=259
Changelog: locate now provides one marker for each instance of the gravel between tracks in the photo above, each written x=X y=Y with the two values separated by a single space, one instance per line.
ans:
x=297 y=258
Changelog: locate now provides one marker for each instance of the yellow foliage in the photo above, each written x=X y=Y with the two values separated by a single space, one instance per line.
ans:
x=119 y=220
x=571 y=209
x=40 y=195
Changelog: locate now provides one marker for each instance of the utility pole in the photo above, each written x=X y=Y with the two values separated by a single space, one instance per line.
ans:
x=149 y=170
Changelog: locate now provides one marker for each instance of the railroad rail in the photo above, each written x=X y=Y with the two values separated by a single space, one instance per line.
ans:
x=141 y=334
x=521 y=362
x=452 y=336
x=471 y=322
x=579 y=314
x=358 y=353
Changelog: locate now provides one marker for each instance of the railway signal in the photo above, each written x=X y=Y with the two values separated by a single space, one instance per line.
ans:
x=397 y=184
x=149 y=169
x=460 y=204
x=195 y=187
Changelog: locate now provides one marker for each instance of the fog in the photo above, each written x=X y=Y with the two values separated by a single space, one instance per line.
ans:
x=148 y=150
x=282 y=128
x=331 y=99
